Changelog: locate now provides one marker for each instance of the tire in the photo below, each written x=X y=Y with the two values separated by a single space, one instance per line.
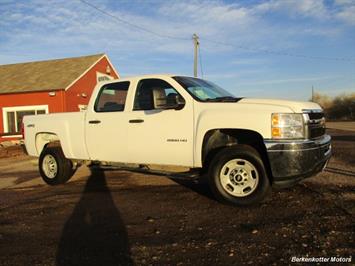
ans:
x=237 y=176
x=54 y=168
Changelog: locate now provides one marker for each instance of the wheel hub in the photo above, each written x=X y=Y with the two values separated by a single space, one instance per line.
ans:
x=49 y=166
x=239 y=177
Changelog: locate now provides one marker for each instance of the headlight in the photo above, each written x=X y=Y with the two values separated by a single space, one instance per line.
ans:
x=287 y=126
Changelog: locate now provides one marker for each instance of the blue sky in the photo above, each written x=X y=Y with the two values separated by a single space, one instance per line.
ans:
x=271 y=49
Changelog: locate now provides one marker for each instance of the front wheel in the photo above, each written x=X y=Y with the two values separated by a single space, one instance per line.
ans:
x=237 y=175
x=54 y=168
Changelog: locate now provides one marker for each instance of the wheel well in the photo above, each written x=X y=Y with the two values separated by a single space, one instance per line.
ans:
x=217 y=139
x=45 y=139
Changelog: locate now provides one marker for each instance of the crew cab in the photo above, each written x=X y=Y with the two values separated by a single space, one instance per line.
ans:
x=244 y=146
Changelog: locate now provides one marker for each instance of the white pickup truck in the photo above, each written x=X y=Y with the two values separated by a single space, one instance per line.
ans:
x=244 y=146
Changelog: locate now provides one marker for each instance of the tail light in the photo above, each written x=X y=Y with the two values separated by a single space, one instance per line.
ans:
x=23 y=130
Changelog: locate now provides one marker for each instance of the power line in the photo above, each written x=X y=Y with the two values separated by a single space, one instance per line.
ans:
x=280 y=52
x=267 y=51
x=132 y=24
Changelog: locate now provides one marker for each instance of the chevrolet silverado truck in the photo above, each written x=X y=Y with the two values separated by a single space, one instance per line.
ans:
x=244 y=146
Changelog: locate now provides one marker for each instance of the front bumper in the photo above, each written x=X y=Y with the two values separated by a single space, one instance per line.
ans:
x=292 y=161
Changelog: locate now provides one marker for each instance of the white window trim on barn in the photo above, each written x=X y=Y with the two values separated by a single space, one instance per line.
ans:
x=101 y=77
x=15 y=109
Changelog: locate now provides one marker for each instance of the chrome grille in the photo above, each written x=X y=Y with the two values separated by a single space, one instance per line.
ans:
x=315 y=123
x=315 y=132
x=316 y=116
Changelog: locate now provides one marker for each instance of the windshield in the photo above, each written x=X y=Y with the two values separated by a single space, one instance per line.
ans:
x=205 y=91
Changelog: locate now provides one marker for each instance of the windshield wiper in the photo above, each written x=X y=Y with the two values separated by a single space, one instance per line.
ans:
x=222 y=99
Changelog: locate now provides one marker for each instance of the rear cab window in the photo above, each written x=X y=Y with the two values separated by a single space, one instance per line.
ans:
x=112 y=97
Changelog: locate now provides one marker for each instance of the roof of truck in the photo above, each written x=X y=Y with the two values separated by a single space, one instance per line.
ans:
x=159 y=75
x=146 y=76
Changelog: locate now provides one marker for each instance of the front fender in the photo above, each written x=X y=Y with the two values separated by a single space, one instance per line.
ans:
x=251 y=117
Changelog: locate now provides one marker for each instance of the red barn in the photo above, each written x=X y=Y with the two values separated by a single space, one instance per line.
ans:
x=61 y=85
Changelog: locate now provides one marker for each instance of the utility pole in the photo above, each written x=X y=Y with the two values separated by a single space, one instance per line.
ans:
x=196 y=44
x=312 y=94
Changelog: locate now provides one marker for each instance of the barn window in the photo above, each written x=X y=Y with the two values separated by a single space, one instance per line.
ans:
x=13 y=117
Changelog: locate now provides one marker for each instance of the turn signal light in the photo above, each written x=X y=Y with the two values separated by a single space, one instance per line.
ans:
x=275 y=120
x=276 y=132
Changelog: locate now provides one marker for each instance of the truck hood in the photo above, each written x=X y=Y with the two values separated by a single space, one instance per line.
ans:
x=295 y=106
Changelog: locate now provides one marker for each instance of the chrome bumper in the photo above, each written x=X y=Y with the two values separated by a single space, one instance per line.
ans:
x=291 y=161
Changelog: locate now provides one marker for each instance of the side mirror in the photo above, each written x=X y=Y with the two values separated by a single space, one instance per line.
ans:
x=170 y=101
x=174 y=101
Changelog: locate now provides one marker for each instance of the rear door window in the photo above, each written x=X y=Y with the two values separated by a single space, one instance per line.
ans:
x=112 y=97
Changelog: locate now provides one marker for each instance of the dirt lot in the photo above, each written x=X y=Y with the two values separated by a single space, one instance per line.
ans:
x=123 y=218
x=350 y=125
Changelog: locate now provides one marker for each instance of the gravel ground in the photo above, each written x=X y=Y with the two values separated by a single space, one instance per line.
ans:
x=125 y=218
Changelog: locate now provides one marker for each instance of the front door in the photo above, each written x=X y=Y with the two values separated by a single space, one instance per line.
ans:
x=159 y=135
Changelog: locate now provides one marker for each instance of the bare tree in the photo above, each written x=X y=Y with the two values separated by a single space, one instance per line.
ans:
x=341 y=107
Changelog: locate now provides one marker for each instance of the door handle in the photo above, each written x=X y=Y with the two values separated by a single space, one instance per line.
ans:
x=136 y=121
x=94 y=122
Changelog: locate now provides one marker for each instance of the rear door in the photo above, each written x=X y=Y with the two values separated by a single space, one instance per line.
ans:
x=106 y=124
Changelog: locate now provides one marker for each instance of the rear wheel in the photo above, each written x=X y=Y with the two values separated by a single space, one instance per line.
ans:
x=237 y=175
x=54 y=168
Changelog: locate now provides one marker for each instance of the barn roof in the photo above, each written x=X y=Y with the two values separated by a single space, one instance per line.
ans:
x=44 y=75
